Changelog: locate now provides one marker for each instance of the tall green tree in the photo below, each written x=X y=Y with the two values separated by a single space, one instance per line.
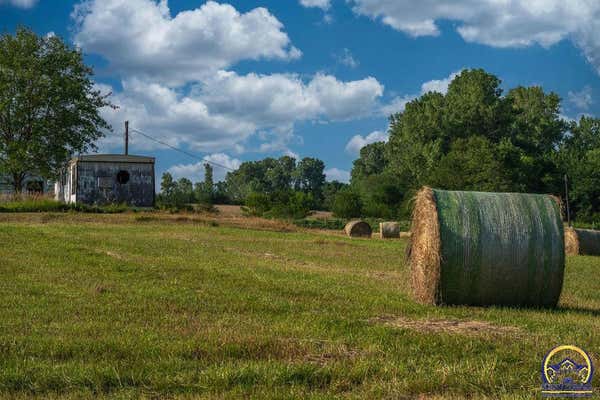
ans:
x=471 y=164
x=208 y=178
x=347 y=204
x=184 y=191
x=417 y=139
x=205 y=191
x=580 y=160
x=371 y=161
x=280 y=176
x=330 y=190
x=537 y=131
x=473 y=138
x=167 y=184
x=474 y=106
x=310 y=178
x=49 y=106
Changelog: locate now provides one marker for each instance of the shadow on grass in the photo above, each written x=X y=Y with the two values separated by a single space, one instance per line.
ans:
x=595 y=312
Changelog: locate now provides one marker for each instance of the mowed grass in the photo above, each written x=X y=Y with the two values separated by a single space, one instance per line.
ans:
x=130 y=307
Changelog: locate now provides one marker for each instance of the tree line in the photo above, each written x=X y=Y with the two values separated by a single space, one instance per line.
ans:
x=282 y=187
x=473 y=137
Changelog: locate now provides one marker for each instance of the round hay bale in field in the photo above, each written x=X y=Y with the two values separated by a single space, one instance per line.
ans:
x=571 y=242
x=358 y=229
x=582 y=241
x=478 y=248
x=389 y=230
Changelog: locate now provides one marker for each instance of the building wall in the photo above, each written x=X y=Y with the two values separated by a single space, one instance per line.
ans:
x=97 y=183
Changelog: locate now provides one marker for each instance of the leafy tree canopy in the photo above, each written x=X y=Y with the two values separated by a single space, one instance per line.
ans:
x=49 y=106
x=475 y=137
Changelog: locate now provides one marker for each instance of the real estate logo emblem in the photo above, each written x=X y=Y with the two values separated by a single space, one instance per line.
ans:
x=567 y=371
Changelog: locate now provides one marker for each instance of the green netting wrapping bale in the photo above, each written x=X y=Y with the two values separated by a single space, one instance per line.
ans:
x=358 y=229
x=582 y=241
x=389 y=230
x=476 y=248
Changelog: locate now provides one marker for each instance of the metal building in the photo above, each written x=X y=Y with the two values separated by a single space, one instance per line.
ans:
x=108 y=179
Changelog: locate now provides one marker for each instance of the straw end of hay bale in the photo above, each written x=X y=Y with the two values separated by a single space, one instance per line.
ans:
x=358 y=229
x=571 y=241
x=389 y=230
x=424 y=255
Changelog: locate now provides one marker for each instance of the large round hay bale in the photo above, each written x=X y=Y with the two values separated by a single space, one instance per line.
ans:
x=582 y=241
x=358 y=229
x=389 y=230
x=478 y=248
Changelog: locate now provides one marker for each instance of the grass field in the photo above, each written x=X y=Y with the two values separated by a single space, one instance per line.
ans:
x=131 y=306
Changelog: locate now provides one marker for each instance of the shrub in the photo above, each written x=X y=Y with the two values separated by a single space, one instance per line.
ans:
x=290 y=205
x=347 y=204
x=257 y=204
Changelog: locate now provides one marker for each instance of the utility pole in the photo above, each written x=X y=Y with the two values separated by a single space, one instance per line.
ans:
x=126 y=137
x=567 y=200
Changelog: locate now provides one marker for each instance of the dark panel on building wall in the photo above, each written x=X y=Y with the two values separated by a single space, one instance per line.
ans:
x=115 y=183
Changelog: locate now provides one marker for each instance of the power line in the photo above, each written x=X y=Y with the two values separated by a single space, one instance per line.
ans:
x=180 y=150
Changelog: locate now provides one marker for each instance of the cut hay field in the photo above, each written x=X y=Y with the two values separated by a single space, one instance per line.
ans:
x=151 y=306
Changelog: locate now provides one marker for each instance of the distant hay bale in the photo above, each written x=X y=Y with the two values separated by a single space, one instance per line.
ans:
x=478 y=248
x=571 y=242
x=582 y=241
x=388 y=230
x=358 y=229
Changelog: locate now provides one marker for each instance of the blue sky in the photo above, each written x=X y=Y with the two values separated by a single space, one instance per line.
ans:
x=243 y=80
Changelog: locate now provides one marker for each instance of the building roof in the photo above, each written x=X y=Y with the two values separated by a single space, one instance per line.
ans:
x=114 y=158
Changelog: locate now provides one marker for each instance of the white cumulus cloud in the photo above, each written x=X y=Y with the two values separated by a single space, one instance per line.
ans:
x=498 y=23
x=19 y=3
x=173 y=117
x=141 y=38
x=581 y=99
x=280 y=99
x=322 y=4
x=398 y=103
x=358 y=141
x=225 y=110
x=347 y=59
x=336 y=174
x=195 y=171
x=177 y=82
x=438 y=85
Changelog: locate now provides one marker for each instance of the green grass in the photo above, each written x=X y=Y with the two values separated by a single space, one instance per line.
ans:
x=44 y=204
x=111 y=306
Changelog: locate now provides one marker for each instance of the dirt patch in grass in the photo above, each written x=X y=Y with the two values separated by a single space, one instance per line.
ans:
x=343 y=354
x=324 y=242
x=321 y=214
x=102 y=289
x=229 y=211
x=459 y=327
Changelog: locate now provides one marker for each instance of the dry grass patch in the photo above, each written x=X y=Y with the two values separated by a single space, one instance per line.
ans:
x=469 y=328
